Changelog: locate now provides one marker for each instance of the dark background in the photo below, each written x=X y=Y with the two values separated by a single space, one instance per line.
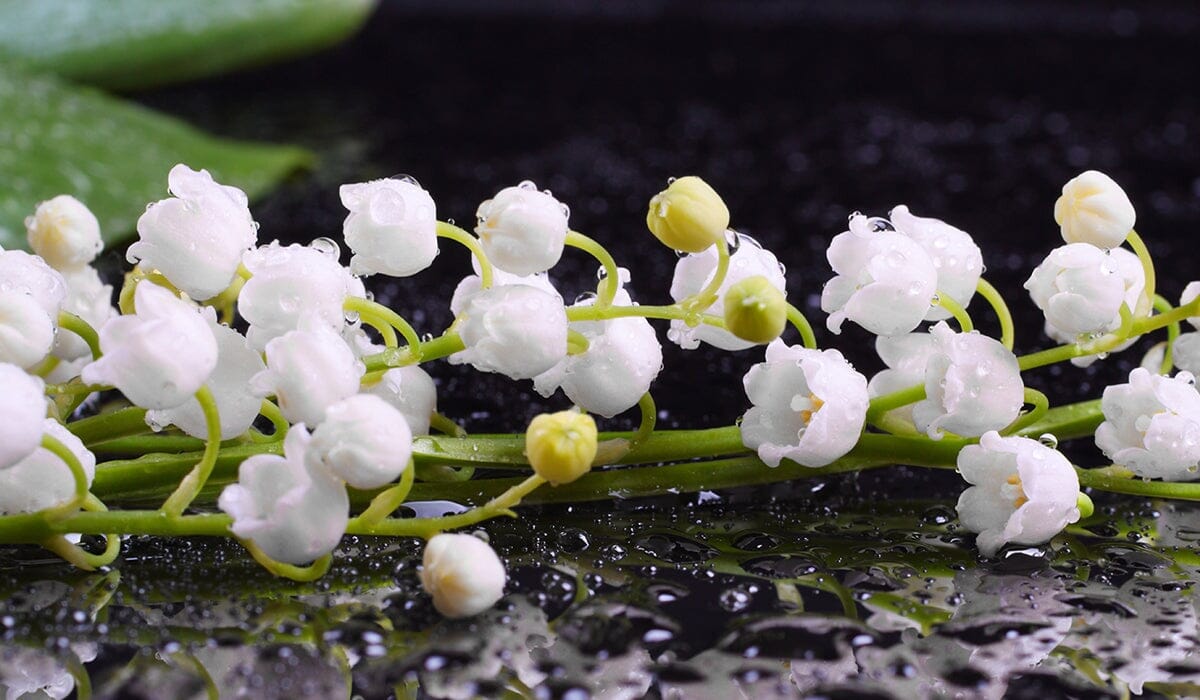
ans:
x=798 y=113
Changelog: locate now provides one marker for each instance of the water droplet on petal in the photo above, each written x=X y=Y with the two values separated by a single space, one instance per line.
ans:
x=1049 y=440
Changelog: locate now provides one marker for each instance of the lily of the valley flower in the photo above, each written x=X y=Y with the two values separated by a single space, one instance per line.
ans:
x=1152 y=426
x=195 y=238
x=462 y=574
x=64 y=232
x=309 y=370
x=522 y=229
x=958 y=261
x=160 y=356
x=238 y=399
x=1093 y=209
x=1186 y=349
x=411 y=391
x=26 y=332
x=972 y=385
x=1081 y=288
x=693 y=273
x=22 y=409
x=290 y=282
x=1021 y=492
x=89 y=299
x=622 y=359
x=809 y=406
x=884 y=281
x=289 y=506
x=688 y=216
x=472 y=284
x=29 y=275
x=363 y=441
x=515 y=330
x=906 y=357
x=561 y=446
x=392 y=227
x=42 y=480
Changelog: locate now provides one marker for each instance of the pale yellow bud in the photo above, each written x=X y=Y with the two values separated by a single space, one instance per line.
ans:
x=561 y=446
x=689 y=215
x=755 y=310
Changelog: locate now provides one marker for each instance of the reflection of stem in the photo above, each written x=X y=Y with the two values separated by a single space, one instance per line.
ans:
x=195 y=480
x=611 y=282
x=83 y=681
x=993 y=297
x=471 y=243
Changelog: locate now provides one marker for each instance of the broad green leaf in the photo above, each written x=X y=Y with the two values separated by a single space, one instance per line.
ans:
x=114 y=156
x=127 y=44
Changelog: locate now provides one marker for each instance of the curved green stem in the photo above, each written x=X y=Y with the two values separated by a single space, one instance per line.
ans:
x=83 y=329
x=80 y=477
x=577 y=343
x=445 y=425
x=425 y=528
x=195 y=480
x=956 y=310
x=801 y=324
x=444 y=345
x=79 y=557
x=312 y=572
x=673 y=312
x=272 y=413
x=612 y=281
x=1107 y=480
x=367 y=308
x=882 y=404
x=1139 y=247
x=649 y=413
x=1161 y=305
x=456 y=234
x=1040 y=404
x=386 y=502
x=708 y=295
x=1062 y=353
x=1003 y=315
x=386 y=331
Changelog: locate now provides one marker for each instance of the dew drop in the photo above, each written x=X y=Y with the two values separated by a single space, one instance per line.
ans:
x=527 y=185
x=327 y=247
x=1049 y=440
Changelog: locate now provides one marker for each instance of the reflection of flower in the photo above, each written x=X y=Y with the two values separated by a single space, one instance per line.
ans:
x=1021 y=491
x=34 y=673
x=1152 y=425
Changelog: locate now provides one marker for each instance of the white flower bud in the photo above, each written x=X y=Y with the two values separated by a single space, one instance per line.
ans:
x=885 y=281
x=958 y=261
x=289 y=506
x=22 y=410
x=26 y=332
x=290 y=282
x=392 y=227
x=1080 y=290
x=64 y=232
x=1190 y=292
x=411 y=390
x=1152 y=426
x=160 y=356
x=522 y=230
x=364 y=441
x=693 y=273
x=516 y=330
x=972 y=385
x=809 y=406
x=195 y=238
x=238 y=399
x=42 y=480
x=622 y=360
x=309 y=370
x=462 y=574
x=89 y=299
x=27 y=274
x=1022 y=492
x=1093 y=209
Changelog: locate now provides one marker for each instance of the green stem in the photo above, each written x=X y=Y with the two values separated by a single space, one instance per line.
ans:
x=446 y=426
x=386 y=502
x=386 y=331
x=1129 y=327
x=105 y=426
x=1105 y=480
x=801 y=324
x=577 y=343
x=367 y=308
x=312 y=572
x=882 y=404
x=993 y=297
x=673 y=312
x=612 y=281
x=442 y=346
x=956 y=310
x=1139 y=246
x=1161 y=305
x=272 y=413
x=454 y=233
x=1040 y=404
x=707 y=296
x=83 y=329
x=194 y=481
x=425 y=528
x=649 y=413
x=58 y=449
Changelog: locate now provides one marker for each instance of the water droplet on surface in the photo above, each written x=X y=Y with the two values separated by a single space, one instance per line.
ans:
x=327 y=247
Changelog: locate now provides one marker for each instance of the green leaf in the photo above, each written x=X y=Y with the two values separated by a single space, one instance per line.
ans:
x=127 y=44
x=112 y=155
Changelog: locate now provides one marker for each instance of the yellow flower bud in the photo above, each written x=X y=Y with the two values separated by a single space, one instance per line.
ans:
x=561 y=446
x=755 y=310
x=689 y=215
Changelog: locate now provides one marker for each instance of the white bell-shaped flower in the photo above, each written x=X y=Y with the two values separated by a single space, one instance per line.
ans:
x=1185 y=351
x=160 y=356
x=363 y=441
x=290 y=282
x=906 y=357
x=392 y=227
x=238 y=399
x=958 y=261
x=1093 y=209
x=472 y=284
x=26 y=332
x=64 y=232
x=462 y=574
x=196 y=237
x=885 y=281
x=1080 y=290
x=42 y=480
x=622 y=360
x=89 y=298
x=972 y=385
x=522 y=230
x=309 y=370
x=1021 y=491
x=693 y=273
x=809 y=406
x=515 y=330
x=411 y=391
x=22 y=409
x=290 y=507
x=27 y=274
x=1152 y=426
